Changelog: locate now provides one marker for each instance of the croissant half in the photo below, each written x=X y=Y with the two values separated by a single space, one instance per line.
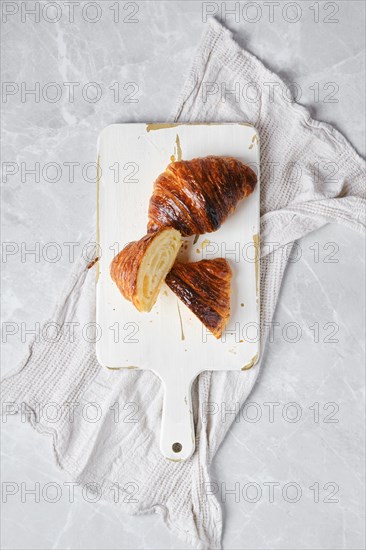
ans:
x=196 y=196
x=204 y=287
x=141 y=267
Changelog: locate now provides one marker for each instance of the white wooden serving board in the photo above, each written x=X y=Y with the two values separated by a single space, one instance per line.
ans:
x=170 y=340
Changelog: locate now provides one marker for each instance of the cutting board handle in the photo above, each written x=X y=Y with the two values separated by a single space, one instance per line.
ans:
x=177 y=439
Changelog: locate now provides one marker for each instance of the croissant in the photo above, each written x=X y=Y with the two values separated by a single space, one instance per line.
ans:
x=141 y=267
x=196 y=196
x=204 y=287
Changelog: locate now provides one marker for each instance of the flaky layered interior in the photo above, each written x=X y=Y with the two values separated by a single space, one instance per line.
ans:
x=156 y=263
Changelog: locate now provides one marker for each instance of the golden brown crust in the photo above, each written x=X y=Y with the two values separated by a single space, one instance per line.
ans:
x=196 y=196
x=204 y=287
x=125 y=265
x=139 y=269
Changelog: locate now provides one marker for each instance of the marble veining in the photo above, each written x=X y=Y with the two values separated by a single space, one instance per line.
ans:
x=139 y=64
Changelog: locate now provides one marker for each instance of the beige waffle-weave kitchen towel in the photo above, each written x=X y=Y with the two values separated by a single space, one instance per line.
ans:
x=296 y=199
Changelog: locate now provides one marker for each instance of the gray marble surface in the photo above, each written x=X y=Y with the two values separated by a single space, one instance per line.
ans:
x=323 y=292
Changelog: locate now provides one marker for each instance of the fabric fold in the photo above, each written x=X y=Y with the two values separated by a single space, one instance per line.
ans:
x=120 y=452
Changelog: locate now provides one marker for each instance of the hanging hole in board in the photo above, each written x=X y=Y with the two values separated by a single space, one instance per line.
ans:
x=177 y=447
